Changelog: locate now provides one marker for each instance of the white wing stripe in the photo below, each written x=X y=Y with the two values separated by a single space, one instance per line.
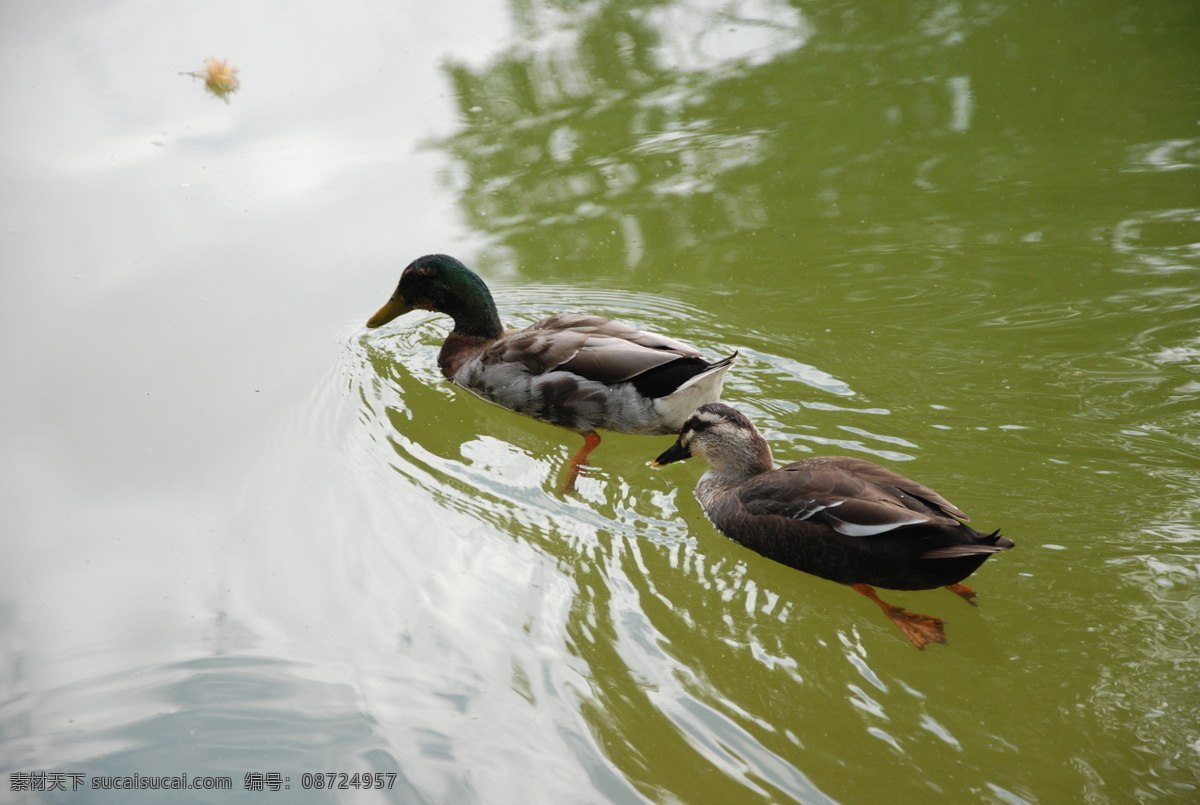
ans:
x=857 y=530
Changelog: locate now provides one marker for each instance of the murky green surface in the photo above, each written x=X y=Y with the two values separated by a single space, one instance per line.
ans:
x=242 y=534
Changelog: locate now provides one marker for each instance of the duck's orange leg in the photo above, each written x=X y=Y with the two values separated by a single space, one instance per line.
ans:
x=963 y=591
x=590 y=442
x=921 y=629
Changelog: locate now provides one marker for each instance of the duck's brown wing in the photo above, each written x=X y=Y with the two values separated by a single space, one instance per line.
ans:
x=821 y=493
x=592 y=347
x=911 y=494
x=607 y=328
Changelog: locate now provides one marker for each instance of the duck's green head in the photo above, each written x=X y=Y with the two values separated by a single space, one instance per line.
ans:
x=439 y=282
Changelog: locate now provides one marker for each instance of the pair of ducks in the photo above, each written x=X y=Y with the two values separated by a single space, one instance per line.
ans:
x=843 y=519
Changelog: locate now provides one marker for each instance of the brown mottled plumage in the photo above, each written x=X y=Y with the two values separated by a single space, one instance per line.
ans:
x=843 y=519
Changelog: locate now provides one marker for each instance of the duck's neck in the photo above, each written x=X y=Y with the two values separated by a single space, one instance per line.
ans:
x=475 y=317
x=476 y=327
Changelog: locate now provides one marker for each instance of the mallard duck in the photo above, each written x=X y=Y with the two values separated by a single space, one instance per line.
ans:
x=580 y=372
x=843 y=519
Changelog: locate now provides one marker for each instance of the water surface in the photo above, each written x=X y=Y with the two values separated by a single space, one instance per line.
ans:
x=242 y=534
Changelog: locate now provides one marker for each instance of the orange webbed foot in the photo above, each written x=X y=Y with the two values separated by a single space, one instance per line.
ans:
x=920 y=629
x=964 y=592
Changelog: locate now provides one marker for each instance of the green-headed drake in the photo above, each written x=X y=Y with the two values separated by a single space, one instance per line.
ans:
x=843 y=519
x=580 y=372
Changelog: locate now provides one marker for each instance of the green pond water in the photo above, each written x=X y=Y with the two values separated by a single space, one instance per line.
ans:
x=243 y=535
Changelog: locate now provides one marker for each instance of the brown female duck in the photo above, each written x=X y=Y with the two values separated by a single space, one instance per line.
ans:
x=580 y=372
x=843 y=519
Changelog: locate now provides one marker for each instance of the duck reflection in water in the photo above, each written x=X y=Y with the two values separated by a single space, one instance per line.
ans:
x=843 y=519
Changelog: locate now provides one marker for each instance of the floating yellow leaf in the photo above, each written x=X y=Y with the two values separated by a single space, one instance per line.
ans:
x=219 y=78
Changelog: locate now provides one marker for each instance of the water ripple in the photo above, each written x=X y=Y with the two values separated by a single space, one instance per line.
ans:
x=671 y=628
x=1164 y=155
x=1165 y=241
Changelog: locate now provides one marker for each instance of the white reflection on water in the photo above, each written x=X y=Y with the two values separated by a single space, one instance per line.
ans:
x=1160 y=240
x=1167 y=155
x=701 y=35
x=222 y=715
x=392 y=573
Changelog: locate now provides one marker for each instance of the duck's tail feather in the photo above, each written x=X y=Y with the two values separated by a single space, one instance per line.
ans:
x=665 y=380
x=726 y=361
x=989 y=543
